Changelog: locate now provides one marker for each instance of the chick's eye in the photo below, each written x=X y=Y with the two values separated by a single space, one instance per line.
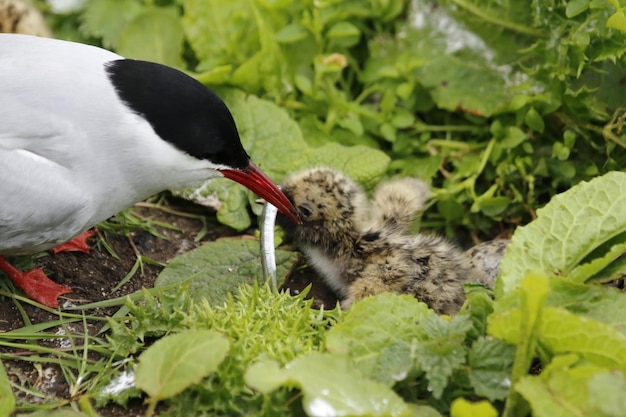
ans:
x=304 y=211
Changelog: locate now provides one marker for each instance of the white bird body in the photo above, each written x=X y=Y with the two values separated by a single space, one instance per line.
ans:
x=67 y=164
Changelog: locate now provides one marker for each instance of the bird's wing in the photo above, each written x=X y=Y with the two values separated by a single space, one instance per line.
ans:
x=40 y=204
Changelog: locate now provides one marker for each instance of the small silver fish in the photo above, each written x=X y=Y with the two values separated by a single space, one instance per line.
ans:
x=268 y=254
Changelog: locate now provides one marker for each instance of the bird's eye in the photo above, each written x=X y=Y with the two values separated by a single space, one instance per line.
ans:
x=304 y=211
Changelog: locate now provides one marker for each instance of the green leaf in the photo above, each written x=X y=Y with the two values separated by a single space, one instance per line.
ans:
x=7 y=400
x=154 y=35
x=534 y=120
x=344 y=34
x=511 y=137
x=176 y=362
x=220 y=33
x=493 y=206
x=330 y=385
x=519 y=324
x=292 y=33
x=463 y=408
x=569 y=228
x=566 y=389
x=470 y=85
x=583 y=272
x=491 y=361
x=360 y=163
x=377 y=334
x=264 y=128
x=563 y=332
x=598 y=302
x=440 y=352
x=216 y=269
x=576 y=7
x=617 y=21
x=606 y=393
x=108 y=18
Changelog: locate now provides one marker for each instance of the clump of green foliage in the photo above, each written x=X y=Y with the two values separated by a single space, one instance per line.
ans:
x=499 y=105
x=552 y=342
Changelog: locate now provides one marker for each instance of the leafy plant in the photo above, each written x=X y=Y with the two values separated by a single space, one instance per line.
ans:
x=547 y=345
x=499 y=105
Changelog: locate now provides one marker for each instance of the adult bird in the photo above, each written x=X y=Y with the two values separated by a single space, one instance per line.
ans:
x=85 y=133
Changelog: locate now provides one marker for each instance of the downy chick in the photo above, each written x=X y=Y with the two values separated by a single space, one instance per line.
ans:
x=361 y=249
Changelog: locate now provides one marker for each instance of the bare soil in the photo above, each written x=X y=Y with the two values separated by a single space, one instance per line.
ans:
x=93 y=277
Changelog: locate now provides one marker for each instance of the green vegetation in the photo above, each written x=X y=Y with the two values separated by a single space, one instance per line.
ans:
x=500 y=105
x=265 y=353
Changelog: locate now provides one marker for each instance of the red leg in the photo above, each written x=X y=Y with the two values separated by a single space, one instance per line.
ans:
x=78 y=244
x=35 y=284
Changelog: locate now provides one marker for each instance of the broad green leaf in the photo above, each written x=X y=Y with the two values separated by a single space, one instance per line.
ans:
x=360 y=163
x=440 y=352
x=615 y=271
x=272 y=138
x=491 y=361
x=377 y=333
x=228 y=198
x=617 y=21
x=606 y=393
x=7 y=400
x=534 y=290
x=463 y=408
x=564 y=391
x=292 y=33
x=331 y=386
x=583 y=272
x=564 y=332
x=517 y=320
x=177 y=361
x=154 y=35
x=108 y=18
x=220 y=33
x=570 y=227
x=576 y=7
x=344 y=34
x=534 y=120
x=598 y=302
x=263 y=70
x=265 y=376
x=478 y=306
x=459 y=83
x=216 y=269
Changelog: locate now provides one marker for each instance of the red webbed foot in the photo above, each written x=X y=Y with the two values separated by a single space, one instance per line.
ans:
x=78 y=244
x=35 y=284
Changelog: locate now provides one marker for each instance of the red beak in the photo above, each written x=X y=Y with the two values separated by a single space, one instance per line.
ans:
x=260 y=184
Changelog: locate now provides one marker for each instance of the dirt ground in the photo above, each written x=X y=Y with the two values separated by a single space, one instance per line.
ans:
x=94 y=276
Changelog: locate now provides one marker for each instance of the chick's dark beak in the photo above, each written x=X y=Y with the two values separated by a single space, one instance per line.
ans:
x=260 y=184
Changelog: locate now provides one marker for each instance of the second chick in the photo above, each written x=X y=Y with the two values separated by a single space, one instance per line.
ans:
x=363 y=249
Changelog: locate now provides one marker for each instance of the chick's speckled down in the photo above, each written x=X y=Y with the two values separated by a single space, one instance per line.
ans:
x=364 y=248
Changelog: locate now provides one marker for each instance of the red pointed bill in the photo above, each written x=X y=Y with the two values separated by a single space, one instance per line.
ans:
x=260 y=184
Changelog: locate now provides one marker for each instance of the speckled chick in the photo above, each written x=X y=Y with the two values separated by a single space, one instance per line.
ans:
x=361 y=249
